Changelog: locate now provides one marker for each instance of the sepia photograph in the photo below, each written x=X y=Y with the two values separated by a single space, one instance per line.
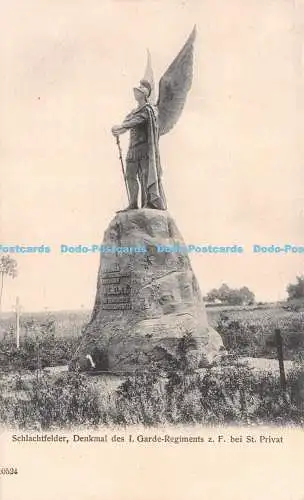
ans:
x=151 y=234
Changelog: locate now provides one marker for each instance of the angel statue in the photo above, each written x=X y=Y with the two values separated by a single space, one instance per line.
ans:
x=148 y=121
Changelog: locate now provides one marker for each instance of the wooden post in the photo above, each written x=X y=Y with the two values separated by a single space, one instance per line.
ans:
x=17 y=323
x=278 y=339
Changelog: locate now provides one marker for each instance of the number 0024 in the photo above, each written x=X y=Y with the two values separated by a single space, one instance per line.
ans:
x=8 y=470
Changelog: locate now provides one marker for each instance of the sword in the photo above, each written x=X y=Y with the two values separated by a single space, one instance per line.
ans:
x=122 y=166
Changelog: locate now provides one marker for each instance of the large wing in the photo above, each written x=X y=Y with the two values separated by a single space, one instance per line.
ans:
x=174 y=86
x=150 y=77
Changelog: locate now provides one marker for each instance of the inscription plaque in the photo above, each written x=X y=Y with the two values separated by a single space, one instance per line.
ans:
x=116 y=289
x=120 y=307
x=113 y=269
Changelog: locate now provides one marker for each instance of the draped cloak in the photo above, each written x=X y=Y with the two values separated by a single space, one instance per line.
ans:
x=147 y=115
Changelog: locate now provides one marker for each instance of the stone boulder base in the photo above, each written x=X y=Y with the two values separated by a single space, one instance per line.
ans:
x=145 y=301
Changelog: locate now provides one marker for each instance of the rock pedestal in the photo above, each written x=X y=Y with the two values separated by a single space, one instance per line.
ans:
x=146 y=299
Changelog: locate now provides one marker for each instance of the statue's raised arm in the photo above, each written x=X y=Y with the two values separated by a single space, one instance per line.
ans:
x=174 y=86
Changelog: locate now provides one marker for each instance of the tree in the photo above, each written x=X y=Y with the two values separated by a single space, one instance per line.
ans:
x=8 y=267
x=296 y=290
x=226 y=295
x=247 y=295
x=212 y=296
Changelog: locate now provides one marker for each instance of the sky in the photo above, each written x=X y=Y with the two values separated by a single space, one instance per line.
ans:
x=232 y=165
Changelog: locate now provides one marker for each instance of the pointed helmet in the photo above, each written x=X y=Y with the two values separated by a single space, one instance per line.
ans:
x=144 y=87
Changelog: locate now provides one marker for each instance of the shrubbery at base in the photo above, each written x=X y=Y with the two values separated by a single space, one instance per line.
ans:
x=232 y=394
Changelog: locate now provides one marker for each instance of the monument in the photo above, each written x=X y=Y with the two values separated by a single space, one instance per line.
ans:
x=147 y=297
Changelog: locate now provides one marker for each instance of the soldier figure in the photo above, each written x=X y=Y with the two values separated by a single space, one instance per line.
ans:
x=148 y=122
x=142 y=162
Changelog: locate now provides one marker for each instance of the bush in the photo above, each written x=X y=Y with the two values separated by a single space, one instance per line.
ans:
x=244 y=339
x=33 y=353
x=295 y=381
x=140 y=400
x=233 y=394
x=230 y=393
x=257 y=339
x=47 y=403
x=296 y=290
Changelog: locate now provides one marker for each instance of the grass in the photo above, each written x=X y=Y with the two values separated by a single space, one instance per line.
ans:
x=258 y=321
x=249 y=331
x=66 y=323
x=228 y=394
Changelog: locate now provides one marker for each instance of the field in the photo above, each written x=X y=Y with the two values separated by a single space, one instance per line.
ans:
x=267 y=316
x=66 y=323
x=282 y=315
x=248 y=330
x=232 y=394
x=244 y=388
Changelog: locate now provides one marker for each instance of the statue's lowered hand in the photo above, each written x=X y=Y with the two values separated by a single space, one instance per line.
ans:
x=116 y=130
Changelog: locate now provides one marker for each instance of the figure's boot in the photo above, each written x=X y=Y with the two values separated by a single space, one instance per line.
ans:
x=133 y=194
